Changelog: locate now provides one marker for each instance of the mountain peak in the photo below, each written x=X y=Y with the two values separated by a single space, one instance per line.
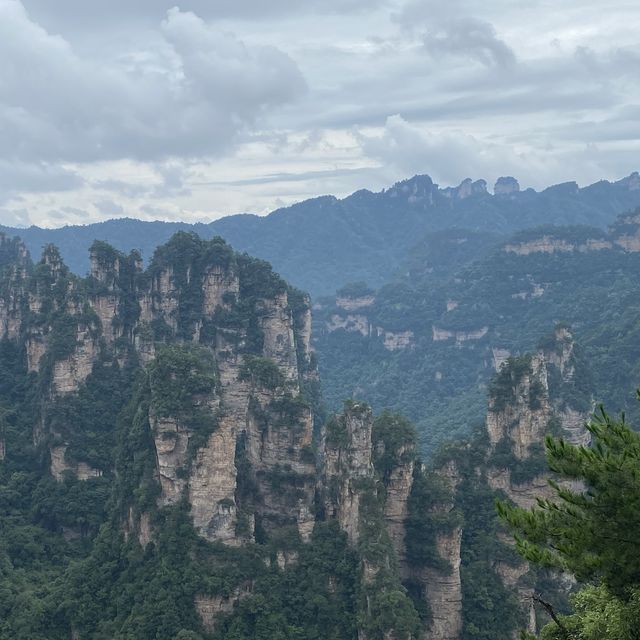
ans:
x=506 y=185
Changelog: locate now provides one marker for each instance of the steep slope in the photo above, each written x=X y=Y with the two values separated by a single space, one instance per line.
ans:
x=427 y=346
x=324 y=243
x=161 y=473
x=531 y=396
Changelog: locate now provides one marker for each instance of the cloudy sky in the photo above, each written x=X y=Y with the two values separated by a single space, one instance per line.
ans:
x=195 y=110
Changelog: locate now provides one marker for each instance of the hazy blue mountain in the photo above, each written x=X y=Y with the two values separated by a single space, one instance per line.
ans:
x=324 y=243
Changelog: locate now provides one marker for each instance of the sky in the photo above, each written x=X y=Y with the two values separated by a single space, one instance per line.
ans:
x=199 y=109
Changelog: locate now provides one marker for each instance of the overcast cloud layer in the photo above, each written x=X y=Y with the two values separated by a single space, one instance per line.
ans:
x=198 y=109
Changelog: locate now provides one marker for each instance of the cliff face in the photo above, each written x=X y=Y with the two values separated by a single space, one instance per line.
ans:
x=532 y=396
x=215 y=349
x=398 y=514
x=348 y=469
x=229 y=387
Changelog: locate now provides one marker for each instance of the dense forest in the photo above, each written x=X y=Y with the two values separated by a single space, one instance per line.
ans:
x=428 y=342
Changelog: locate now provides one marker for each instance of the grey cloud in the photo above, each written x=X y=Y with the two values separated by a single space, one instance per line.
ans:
x=301 y=176
x=69 y=215
x=17 y=177
x=127 y=189
x=452 y=29
x=469 y=37
x=189 y=97
x=98 y=14
x=14 y=217
x=173 y=178
x=453 y=155
x=157 y=213
x=109 y=208
x=447 y=157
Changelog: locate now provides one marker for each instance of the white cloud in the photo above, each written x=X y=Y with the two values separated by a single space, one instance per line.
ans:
x=449 y=156
x=190 y=97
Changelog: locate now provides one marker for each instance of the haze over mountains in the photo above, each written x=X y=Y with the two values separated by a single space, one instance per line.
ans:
x=323 y=243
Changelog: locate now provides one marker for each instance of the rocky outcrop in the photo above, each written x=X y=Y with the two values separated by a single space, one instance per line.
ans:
x=352 y=322
x=505 y=186
x=440 y=335
x=398 y=485
x=354 y=303
x=220 y=288
x=549 y=244
x=13 y=294
x=465 y=189
x=59 y=465
x=519 y=409
x=499 y=357
x=530 y=397
x=442 y=588
x=70 y=372
x=396 y=340
x=347 y=463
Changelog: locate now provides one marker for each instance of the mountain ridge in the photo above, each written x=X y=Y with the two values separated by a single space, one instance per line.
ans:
x=325 y=242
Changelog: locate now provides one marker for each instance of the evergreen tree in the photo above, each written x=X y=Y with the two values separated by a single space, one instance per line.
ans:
x=589 y=529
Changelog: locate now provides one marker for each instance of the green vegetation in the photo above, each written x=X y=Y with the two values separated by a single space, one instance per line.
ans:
x=441 y=384
x=384 y=604
x=323 y=243
x=178 y=373
x=261 y=371
x=588 y=532
x=394 y=442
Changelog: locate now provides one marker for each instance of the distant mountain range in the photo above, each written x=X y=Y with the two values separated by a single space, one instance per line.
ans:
x=323 y=243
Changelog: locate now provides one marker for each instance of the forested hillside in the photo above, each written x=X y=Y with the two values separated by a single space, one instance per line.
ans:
x=321 y=244
x=163 y=472
x=428 y=342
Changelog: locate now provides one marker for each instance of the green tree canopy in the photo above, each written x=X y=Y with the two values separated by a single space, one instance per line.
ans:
x=589 y=529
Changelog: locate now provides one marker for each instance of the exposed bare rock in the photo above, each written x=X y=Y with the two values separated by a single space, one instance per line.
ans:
x=351 y=322
x=106 y=308
x=442 y=334
x=499 y=357
x=303 y=339
x=352 y=304
x=72 y=371
x=36 y=347
x=279 y=339
x=347 y=461
x=211 y=608
x=396 y=341
x=525 y=494
x=465 y=189
x=171 y=440
x=212 y=485
x=460 y=336
x=444 y=591
x=549 y=244
x=524 y=416
x=398 y=487
x=505 y=186
x=59 y=465
x=573 y=426
x=162 y=302
x=219 y=284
